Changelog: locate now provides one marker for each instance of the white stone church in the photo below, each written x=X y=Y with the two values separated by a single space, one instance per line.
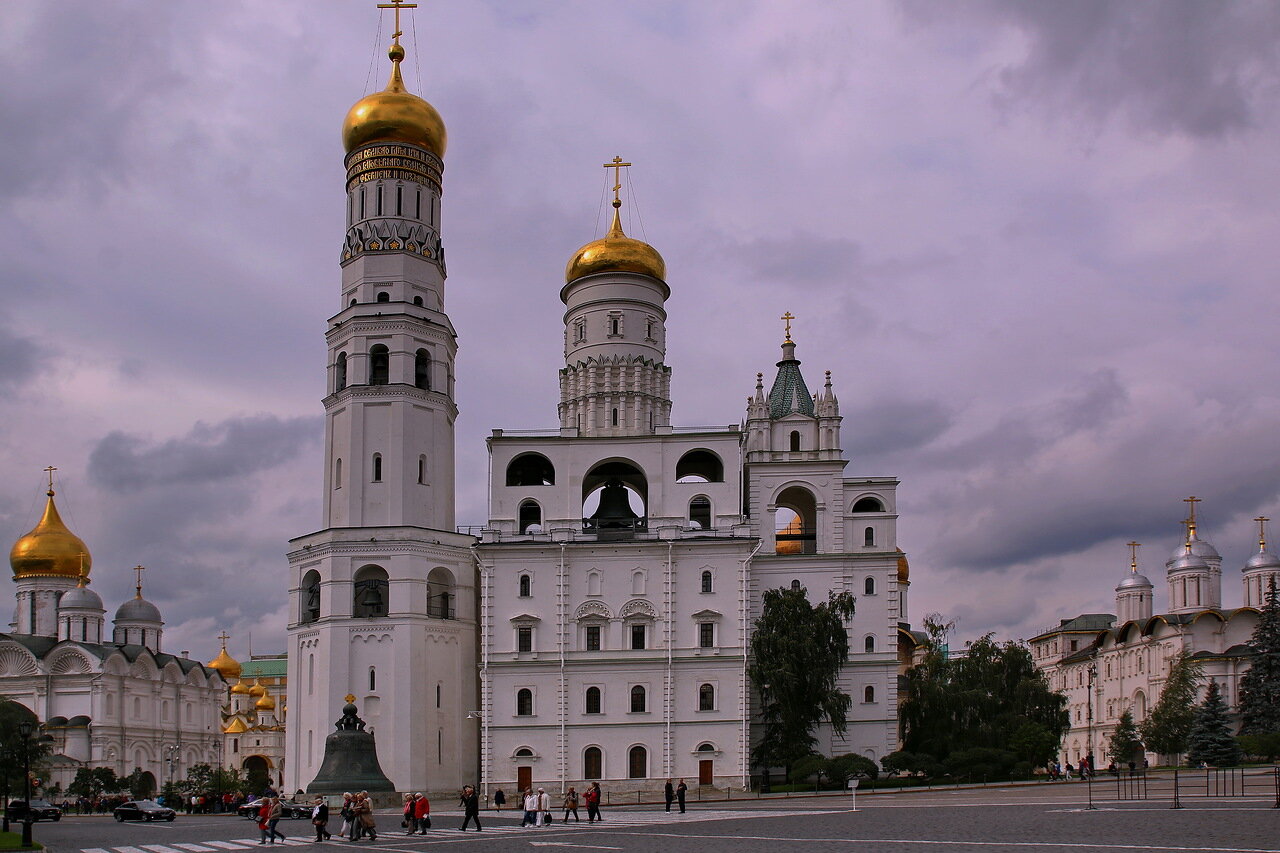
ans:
x=596 y=627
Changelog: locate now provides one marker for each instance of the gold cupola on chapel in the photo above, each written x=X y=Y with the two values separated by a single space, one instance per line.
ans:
x=50 y=550
x=394 y=115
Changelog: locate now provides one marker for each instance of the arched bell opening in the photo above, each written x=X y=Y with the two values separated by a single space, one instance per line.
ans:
x=795 y=522
x=615 y=495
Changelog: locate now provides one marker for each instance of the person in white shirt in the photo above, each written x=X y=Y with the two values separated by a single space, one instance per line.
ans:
x=544 y=808
x=530 y=808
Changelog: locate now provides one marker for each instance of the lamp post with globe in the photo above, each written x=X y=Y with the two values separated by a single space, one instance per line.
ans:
x=24 y=731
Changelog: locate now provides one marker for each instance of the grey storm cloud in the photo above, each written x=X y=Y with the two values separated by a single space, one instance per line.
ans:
x=20 y=357
x=886 y=427
x=237 y=447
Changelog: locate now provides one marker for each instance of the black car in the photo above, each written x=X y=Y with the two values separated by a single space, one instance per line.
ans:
x=289 y=810
x=143 y=810
x=40 y=810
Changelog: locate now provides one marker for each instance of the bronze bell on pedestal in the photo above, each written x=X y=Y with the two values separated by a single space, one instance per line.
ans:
x=615 y=511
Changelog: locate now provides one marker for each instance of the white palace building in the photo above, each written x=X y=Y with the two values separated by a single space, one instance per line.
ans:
x=596 y=626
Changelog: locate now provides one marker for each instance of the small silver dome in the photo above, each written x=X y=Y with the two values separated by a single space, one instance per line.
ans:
x=1199 y=547
x=1188 y=562
x=1134 y=580
x=80 y=598
x=1263 y=560
x=138 y=610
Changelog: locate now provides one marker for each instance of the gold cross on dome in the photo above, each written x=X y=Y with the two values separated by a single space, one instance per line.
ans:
x=138 y=570
x=616 y=165
x=1133 y=556
x=50 y=471
x=397 y=5
x=1262 y=530
x=787 y=318
x=224 y=636
x=1191 y=502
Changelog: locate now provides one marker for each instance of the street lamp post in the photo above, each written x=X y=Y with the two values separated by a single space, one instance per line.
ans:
x=24 y=731
x=170 y=756
x=1093 y=674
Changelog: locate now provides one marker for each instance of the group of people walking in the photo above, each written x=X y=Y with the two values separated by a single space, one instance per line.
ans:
x=270 y=811
x=537 y=804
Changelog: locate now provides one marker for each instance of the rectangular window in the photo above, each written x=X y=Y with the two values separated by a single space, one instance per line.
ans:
x=362 y=202
x=418 y=211
x=524 y=639
x=399 y=199
x=379 y=199
x=706 y=635
x=593 y=638
x=637 y=636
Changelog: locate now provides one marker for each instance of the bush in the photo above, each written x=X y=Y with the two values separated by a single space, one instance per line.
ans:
x=1264 y=746
x=981 y=764
x=842 y=768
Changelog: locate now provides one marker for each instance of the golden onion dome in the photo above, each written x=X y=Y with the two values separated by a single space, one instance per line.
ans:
x=791 y=546
x=227 y=666
x=616 y=252
x=50 y=550
x=394 y=115
x=266 y=703
x=257 y=690
x=240 y=688
x=904 y=570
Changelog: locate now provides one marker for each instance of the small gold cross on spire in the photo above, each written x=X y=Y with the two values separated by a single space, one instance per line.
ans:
x=50 y=471
x=787 y=318
x=1262 y=532
x=138 y=570
x=1191 y=517
x=224 y=636
x=1133 y=556
x=397 y=5
x=616 y=164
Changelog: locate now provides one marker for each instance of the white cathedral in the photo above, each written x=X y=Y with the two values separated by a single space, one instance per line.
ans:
x=596 y=627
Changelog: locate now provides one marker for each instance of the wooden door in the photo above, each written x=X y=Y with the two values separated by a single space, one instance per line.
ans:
x=705 y=772
x=524 y=779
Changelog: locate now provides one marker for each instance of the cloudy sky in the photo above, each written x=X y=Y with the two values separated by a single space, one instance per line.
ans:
x=1035 y=243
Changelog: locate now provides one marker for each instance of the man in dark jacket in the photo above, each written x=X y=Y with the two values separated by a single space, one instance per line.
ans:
x=320 y=819
x=470 y=808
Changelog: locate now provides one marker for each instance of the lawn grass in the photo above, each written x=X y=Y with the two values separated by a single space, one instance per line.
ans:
x=13 y=841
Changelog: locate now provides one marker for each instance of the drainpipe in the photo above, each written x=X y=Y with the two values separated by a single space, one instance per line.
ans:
x=744 y=739
x=666 y=699
x=564 y=680
x=484 y=672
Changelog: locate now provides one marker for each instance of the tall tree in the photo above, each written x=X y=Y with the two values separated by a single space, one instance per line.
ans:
x=1210 y=741
x=13 y=748
x=1260 y=686
x=1165 y=730
x=1125 y=744
x=992 y=698
x=797 y=651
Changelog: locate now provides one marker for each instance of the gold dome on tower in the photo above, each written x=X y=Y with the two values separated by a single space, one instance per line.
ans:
x=257 y=690
x=50 y=550
x=227 y=666
x=394 y=115
x=266 y=703
x=240 y=688
x=616 y=252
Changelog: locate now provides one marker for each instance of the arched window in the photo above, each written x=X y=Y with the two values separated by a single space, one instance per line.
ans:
x=337 y=473
x=869 y=644
x=868 y=694
x=377 y=467
x=524 y=586
x=383 y=296
x=592 y=700
x=615 y=417
x=869 y=537
x=592 y=763
x=370 y=592
x=706 y=698
x=795 y=585
x=795 y=439
x=706 y=581
x=310 y=597
x=638 y=763
x=417 y=300
x=422 y=369
x=524 y=703
x=700 y=466
x=700 y=513
x=379 y=365
x=373 y=679
x=530 y=520
x=868 y=505
x=422 y=470
x=531 y=469
x=637 y=700
x=340 y=372
x=869 y=586
x=440 y=596
x=795 y=522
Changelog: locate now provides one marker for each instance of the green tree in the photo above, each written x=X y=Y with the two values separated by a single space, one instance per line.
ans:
x=200 y=779
x=1260 y=686
x=1265 y=747
x=993 y=698
x=12 y=747
x=1210 y=740
x=1125 y=744
x=797 y=653
x=93 y=781
x=140 y=783
x=227 y=780
x=1165 y=730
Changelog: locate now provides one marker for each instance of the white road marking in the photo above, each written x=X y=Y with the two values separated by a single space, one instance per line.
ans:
x=227 y=845
x=193 y=848
x=567 y=844
x=158 y=848
x=1091 y=845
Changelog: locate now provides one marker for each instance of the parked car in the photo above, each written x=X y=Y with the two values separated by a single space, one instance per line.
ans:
x=289 y=810
x=40 y=810
x=143 y=810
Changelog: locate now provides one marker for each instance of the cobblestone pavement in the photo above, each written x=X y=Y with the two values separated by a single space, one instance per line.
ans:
x=1039 y=819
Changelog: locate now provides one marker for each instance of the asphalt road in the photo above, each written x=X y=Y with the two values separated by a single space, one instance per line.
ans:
x=1039 y=819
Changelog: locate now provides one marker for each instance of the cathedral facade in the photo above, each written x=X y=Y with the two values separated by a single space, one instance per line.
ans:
x=598 y=626
x=108 y=696
x=1107 y=664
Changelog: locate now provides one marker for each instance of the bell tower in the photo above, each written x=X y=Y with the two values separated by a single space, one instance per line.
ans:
x=382 y=597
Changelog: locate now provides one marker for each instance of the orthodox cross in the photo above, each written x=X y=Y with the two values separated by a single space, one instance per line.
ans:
x=224 y=636
x=787 y=318
x=1262 y=531
x=1191 y=518
x=1133 y=556
x=84 y=576
x=1191 y=526
x=50 y=471
x=397 y=5
x=138 y=570
x=616 y=165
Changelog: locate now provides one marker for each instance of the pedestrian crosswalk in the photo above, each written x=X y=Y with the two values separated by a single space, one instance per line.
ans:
x=447 y=826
